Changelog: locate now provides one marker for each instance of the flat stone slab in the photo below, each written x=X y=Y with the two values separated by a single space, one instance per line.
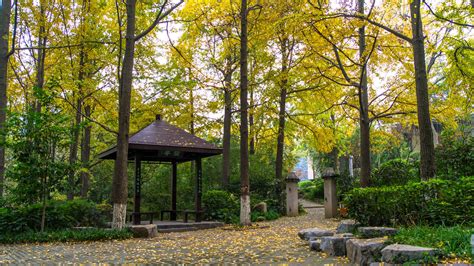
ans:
x=144 y=230
x=397 y=253
x=315 y=245
x=365 y=251
x=312 y=233
x=374 y=231
x=347 y=226
x=334 y=245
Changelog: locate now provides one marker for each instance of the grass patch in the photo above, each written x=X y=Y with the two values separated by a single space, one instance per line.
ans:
x=66 y=235
x=453 y=242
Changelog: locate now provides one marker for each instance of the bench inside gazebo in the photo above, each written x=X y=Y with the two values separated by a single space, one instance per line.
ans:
x=162 y=142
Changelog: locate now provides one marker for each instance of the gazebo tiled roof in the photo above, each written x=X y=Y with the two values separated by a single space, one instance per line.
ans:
x=160 y=141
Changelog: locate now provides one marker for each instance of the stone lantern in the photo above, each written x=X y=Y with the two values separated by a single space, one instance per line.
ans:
x=292 y=194
x=330 y=193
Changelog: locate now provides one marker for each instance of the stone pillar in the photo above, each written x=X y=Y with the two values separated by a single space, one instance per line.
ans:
x=330 y=193
x=292 y=195
x=351 y=166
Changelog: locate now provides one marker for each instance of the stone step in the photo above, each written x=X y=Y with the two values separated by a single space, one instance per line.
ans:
x=365 y=251
x=177 y=229
x=311 y=233
x=374 y=231
x=399 y=254
x=335 y=245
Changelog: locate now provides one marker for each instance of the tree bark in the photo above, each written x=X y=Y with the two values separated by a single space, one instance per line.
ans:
x=4 y=34
x=281 y=120
x=427 y=166
x=227 y=126
x=41 y=55
x=244 y=132
x=251 y=115
x=85 y=155
x=120 y=179
x=364 y=121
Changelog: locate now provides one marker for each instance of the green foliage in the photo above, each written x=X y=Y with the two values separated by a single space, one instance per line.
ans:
x=434 y=202
x=67 y=235
x=312 y=189
x=36 y=141
x=220 y=205
x=394 y=172
x=451 y=241
x=260 y=216
x=59 y=214
x=345 y=183
x=455 y=157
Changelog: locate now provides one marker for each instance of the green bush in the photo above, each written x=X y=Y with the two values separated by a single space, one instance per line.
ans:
x=451 y=241
x=67 y=235
x=312 y=189
x=59 y=215
x=455 y=157
x=394 y=172
x=434 y=202
x=220 y=205
x=260 y=216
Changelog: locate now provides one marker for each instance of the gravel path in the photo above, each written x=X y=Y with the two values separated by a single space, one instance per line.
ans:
x=278 y=243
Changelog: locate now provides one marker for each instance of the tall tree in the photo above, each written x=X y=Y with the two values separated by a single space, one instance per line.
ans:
x=120 y=179
x=427 y=163
x=244 y=132
x=4 y=55
x=427 y=166
x=363 y=95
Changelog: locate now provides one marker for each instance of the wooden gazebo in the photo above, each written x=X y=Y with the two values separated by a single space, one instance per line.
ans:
x=162 y=142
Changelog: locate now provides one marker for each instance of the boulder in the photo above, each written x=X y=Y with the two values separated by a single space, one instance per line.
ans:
x=371 y=232
x=315 y=245
x=144 y=230
x=313 y=233
x=364 y=251
x=397 y=253
x=334 y=245
x=347 y=226
x=260 y=207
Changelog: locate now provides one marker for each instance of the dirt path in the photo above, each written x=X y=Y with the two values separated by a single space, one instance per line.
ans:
x=278 y=243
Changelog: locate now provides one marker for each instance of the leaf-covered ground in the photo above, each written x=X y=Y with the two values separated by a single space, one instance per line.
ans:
x=277 y=243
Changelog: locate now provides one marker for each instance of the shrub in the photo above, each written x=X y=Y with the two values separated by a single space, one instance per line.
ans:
x=451 y=241
x=59 y=214
x=434 y=202
x=312 y=189
x=455 y=157
x=220 y=205
x=260 y=216
x=394 y=172
x=67 y=235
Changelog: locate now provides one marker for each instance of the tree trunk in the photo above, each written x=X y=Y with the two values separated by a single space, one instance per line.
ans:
x=244 y=132
x=227 y=126
x=427 y=166
x=364 y=121
x=4 y=34
x=120 y=180
x=85 y=155
x=251 y=124
x=41 y=55
x=280 y=188
x=75 y=129
x=73 y=150
x=251 y=110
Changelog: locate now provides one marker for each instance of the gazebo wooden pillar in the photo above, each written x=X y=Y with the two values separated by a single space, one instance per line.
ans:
x=198 y=189
x=174 y=190
x=162 y=142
